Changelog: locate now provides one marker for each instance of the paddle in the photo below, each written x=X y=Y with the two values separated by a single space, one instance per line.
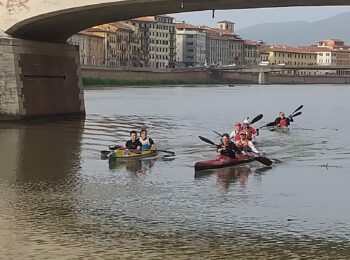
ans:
x=207 y=141
x=267 y=125
x=256 y=119
x=164 y=151
x=296 y=114
x=217 y=133
x=111 y=148
x=264 y=160
x=116 y=147
x=296 y=110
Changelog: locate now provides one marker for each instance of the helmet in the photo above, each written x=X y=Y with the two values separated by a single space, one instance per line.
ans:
x=245 y=121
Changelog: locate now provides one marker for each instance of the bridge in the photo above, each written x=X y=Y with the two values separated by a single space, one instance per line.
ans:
x=279 y=68
x=264 y=71
x=40 y=74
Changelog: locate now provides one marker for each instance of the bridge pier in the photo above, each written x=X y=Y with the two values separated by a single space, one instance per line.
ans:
x=39 y=79
x=264 y=78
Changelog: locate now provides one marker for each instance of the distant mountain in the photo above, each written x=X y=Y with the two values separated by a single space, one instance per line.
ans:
x=300 y=33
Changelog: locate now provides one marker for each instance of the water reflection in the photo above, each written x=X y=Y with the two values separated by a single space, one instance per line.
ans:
x=46 y=151
x=132 y=165
x=60 y=200
x=227 y=176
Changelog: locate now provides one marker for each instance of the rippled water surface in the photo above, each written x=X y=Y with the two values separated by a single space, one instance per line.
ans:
x=60 y=200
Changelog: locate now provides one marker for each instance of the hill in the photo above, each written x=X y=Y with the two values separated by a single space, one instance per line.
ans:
x=299 y=33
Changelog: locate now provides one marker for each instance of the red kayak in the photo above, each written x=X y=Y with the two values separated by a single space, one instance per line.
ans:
x=221 y=162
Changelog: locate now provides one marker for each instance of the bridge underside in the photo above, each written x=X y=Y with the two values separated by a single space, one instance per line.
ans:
x=60 y=25
x=39 y=80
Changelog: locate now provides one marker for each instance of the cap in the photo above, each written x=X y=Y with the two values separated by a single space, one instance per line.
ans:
x=281 y=113
x=245 y=121
x=238 y=124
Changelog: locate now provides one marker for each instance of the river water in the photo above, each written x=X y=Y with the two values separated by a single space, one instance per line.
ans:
x=60 y=200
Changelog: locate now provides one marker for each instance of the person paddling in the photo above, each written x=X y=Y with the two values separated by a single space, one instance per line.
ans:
x=133 y=143
x=234 y=136
x=227 y=148
x=146 y=142
x=250 y=131
x=282 y=120
x=247 y=147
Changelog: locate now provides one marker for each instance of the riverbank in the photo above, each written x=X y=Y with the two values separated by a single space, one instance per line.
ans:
x=195 y=76
x=93 y=82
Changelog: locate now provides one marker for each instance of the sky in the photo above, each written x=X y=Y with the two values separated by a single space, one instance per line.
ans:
x=248 y=17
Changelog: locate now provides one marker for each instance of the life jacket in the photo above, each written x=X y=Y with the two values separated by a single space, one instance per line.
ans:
x=243 y=144
x=283 y=122
x=145 y=144
x=249 y=134
x=236 y=137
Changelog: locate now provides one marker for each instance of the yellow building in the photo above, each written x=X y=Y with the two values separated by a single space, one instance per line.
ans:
x=108 y=33
x=287 y=55
x=91 y=48
x=116 y=43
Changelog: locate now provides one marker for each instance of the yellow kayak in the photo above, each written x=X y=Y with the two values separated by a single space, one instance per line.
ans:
x=135 y=154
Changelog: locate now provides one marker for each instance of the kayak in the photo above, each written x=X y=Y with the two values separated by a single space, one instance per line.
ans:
x=221 y=162
x=280 y=129
x=127 y=155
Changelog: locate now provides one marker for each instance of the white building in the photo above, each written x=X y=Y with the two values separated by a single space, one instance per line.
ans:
x=190 y=45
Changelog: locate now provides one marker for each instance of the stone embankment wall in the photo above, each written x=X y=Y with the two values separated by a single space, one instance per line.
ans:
x=253 y=78
x=142 y=73
x=205 y=74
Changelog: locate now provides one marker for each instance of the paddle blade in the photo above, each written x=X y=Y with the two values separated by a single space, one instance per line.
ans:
x=257 y=118
x=296 y=114
x=270 y=124
x=114 y=147
x=296 y=110
x=169 y=152
x=206 y=140
x=264 y=160
x=217 y=133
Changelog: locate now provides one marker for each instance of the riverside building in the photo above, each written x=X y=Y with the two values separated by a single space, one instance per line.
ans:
x=191 y=44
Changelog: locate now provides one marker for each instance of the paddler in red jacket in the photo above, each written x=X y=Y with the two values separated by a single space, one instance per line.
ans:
x=283 y=121
x=234 y=136
x=250 y=131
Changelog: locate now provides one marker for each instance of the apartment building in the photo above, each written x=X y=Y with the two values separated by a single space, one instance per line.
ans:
x=91 y=48
x=236 y=51
x=144 y=30
x=218 y=43
x=116 y=44
x=191 y=44
x=164 y=42
x=288 y=55
x=157 y=36
x=251 y=52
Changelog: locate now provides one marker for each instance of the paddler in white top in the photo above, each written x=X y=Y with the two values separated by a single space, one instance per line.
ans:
x=147 y=143
x=248 y=148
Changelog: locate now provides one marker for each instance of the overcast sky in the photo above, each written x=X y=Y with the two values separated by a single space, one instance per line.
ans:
x=244 y=18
